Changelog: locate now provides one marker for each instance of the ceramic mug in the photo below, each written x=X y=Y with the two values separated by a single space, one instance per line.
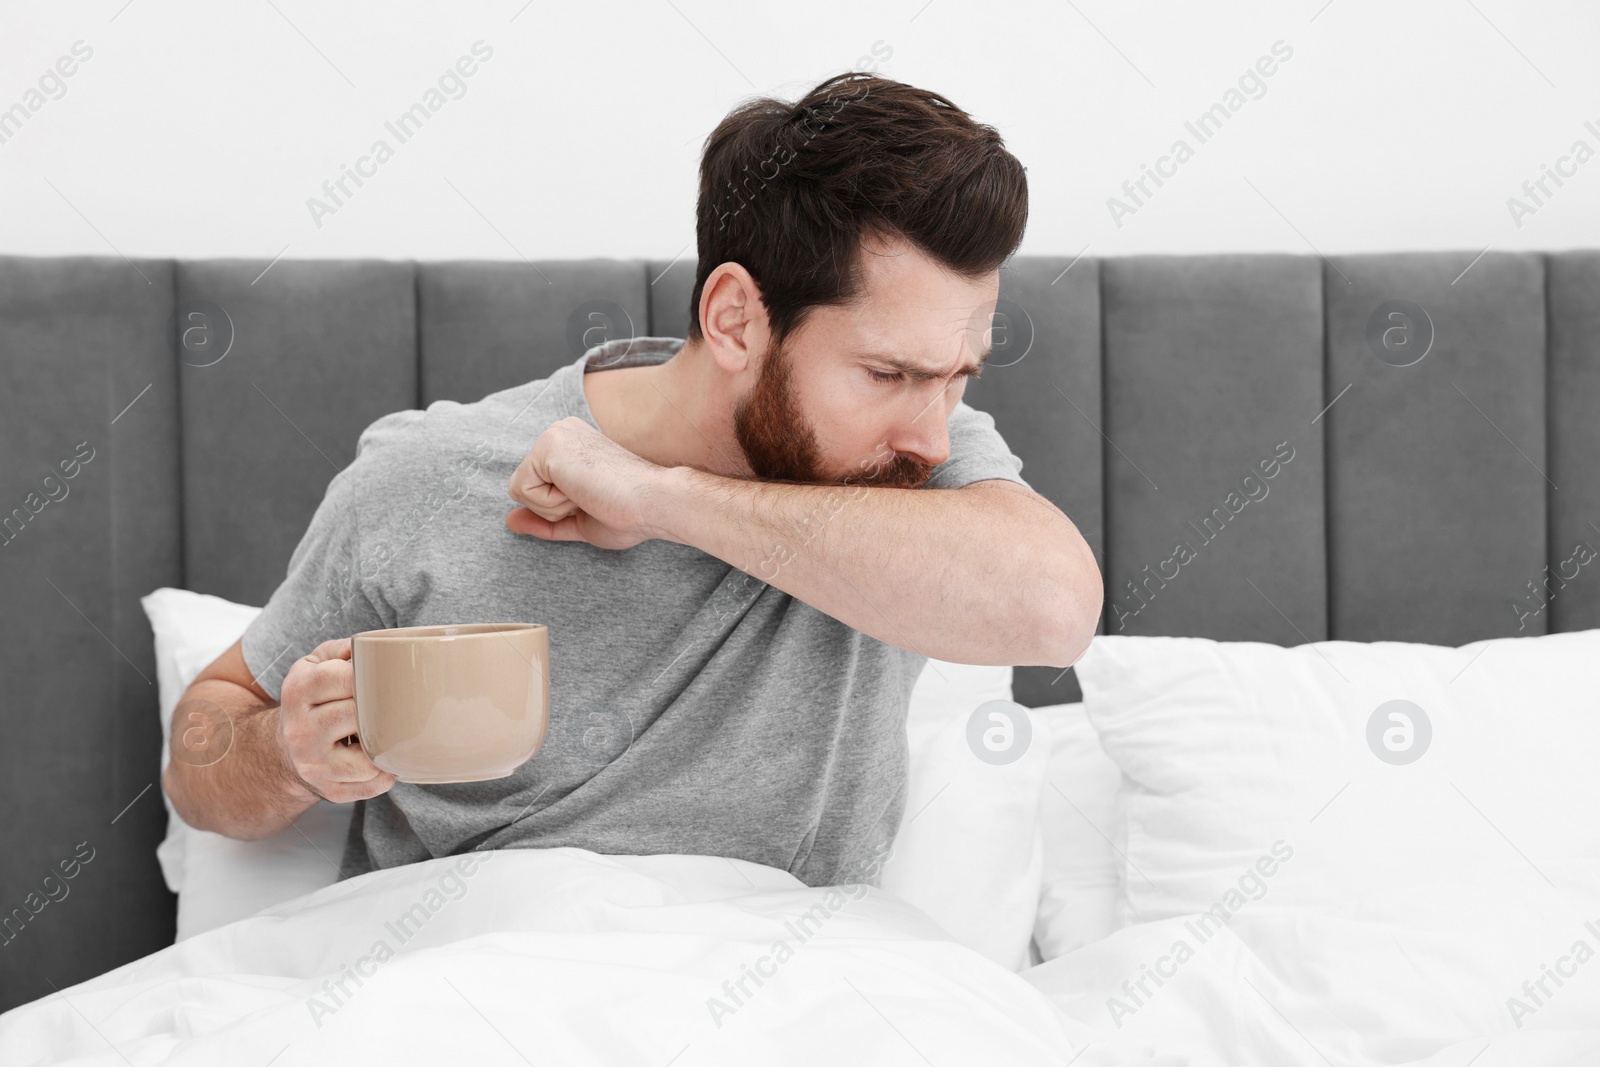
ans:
x=465 y=702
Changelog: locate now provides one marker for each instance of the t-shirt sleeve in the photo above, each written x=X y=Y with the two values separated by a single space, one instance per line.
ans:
x=977 y=452
x=327 y=593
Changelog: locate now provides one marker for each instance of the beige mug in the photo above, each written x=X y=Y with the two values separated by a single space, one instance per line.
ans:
x=465 y=702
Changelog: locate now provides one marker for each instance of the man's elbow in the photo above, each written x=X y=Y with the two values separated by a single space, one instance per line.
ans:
x=172 y=786
x=1073 y=616
x=1071 y=641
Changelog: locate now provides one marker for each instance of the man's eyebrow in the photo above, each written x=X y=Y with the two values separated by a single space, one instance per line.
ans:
x=912 y=370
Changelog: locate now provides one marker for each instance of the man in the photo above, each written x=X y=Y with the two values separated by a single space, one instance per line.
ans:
x=745 y=543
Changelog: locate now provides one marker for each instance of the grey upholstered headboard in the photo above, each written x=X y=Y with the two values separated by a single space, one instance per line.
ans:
x=1421 y=502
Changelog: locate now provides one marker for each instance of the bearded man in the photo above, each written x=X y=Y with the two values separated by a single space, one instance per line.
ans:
x=746 y=543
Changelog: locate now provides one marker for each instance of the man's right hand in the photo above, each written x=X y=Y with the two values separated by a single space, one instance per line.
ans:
x=317 y=728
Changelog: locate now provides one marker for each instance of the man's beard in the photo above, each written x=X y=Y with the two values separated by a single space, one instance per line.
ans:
x=780 y=445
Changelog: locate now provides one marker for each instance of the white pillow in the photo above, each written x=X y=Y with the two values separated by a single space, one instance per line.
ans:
x=1232 y=746
x=1413 y=877
x=1082 y=877
x=982 y=886
x=969 y=851
x=219 y=879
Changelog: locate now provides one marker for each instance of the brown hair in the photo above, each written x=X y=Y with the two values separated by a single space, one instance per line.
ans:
x=787 y=191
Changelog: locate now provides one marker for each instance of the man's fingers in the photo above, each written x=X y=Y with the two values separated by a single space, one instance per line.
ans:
x=540 y=494
x=553 y=512
x=349 y=764
x=545 y=500
x=346 y=761
x=335 y=720
x=550 y=514
x=335 y=648
x=330 y=680
x=349 y=793
x=367 y=790
x=566 y=528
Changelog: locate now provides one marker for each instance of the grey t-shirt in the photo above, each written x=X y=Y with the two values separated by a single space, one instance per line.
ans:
x=694 y=707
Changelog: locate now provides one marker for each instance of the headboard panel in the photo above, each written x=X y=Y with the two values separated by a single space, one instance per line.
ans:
x=488 y=326
x=318 y=352
x=1211 y=363
x=1437 y=473
x=1420 y=503
x=89 y=509
x=1572 y=310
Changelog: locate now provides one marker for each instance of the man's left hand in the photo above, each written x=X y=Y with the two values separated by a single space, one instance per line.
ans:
x=577 y=484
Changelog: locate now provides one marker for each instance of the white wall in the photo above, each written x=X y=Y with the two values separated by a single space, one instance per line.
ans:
x=199 y=129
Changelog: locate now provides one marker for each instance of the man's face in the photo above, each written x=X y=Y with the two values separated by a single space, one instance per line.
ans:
x=831 y=406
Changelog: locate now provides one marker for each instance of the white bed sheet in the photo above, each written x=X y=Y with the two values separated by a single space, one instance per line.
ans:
x=555 y=956
x=566 y=956
x=1227 y=1004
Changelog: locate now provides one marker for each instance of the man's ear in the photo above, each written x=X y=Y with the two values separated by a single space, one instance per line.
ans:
x=733 y=320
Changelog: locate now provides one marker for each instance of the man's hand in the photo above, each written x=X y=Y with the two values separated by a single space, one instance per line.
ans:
x=577 y=484
x=317 y=713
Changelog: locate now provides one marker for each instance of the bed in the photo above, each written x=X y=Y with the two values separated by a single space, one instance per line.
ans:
x=1202 y=858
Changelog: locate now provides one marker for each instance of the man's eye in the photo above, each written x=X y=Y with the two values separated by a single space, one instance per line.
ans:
x=880 y=376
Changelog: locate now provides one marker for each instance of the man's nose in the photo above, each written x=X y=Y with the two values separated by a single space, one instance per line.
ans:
x=925 y=437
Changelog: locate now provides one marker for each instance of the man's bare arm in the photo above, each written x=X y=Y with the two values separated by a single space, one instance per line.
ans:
x=989 y=573
x=252 y=765
x=227 y=773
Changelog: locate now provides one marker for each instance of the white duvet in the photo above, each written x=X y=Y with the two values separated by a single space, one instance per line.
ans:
x=554 y=956
x=566 y=956
x=1281 y=989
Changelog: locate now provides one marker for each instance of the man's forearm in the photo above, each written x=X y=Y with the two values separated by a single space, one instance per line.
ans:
x=984 y=574
x=248 y=791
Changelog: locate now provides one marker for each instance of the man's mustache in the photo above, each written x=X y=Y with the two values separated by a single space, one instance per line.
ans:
x=902 y=472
